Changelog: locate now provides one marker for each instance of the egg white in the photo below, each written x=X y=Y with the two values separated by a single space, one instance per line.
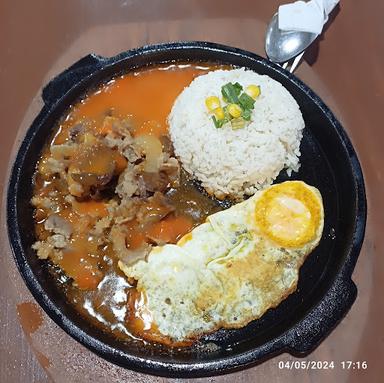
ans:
x=225 y=273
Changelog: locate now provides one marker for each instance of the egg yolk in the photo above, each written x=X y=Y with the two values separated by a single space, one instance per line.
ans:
x=288 y=214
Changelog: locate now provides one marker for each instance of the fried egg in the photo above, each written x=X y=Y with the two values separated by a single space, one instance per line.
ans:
x=231 y=269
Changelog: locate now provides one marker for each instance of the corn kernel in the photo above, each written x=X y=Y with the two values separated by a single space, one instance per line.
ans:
x=219 y=113
x=253 y=91
x=212 y=103
x=234 y=110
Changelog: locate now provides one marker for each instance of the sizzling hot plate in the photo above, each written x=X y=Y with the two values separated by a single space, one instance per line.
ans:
x=325 y=290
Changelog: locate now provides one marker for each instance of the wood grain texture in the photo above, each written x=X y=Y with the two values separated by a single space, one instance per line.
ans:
x=39 y=39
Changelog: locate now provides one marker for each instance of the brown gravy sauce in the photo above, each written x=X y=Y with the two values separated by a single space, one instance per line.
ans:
x=147 y=97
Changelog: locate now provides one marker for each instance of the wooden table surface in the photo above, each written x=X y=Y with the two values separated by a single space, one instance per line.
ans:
x=38 y=39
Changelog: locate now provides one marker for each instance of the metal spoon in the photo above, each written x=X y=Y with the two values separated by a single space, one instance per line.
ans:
x=282 y=46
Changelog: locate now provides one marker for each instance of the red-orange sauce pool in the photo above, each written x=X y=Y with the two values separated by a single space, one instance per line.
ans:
x=146 y=95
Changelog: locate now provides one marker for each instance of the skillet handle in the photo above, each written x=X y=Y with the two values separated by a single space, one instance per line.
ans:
x=321 y=320
x=63 y=82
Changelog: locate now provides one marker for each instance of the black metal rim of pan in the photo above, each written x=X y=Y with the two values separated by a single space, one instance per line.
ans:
x=325 y=291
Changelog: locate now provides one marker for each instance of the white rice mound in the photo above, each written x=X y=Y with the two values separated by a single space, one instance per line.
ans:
x=239 y=162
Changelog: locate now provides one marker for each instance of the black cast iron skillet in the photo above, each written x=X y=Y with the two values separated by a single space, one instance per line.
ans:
x=325 y=291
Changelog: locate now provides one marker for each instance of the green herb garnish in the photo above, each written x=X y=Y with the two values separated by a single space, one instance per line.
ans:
x=237 y=114
x=218 y=123
x=231 y=92
x=226 y=114
x=246 y=102
x=237 y=87
x=246 y=114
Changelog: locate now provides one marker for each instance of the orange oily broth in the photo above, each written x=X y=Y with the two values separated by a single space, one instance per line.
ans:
x=103 y=294
x=146 y=96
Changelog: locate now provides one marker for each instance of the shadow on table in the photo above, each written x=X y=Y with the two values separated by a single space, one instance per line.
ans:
x=312 y=52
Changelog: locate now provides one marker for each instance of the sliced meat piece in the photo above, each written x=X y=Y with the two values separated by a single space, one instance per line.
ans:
x=112 y=141
x=51 y=166
x=109 y=126
x=129 y=151
x=94 y=159
x=43 y=203
x=172 y=169
x=74 y=187
x=76 y=130
x=124 y=143
x=91 y=169
x=91 y=179
x=121 y=138
x=127 y=210
x=63 y=152
x=58 y=241
x=101 y=225
x=153 y=182
x=141 y=187
x=168 y=175
x=127 y=184
x=43 y=249
x=132 y=256
x=118 y=238
x=154 y=209
x=115 y=129
x=167 y=145
x=58 y=225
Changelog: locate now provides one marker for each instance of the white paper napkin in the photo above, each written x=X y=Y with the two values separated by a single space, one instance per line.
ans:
x=305 y=16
